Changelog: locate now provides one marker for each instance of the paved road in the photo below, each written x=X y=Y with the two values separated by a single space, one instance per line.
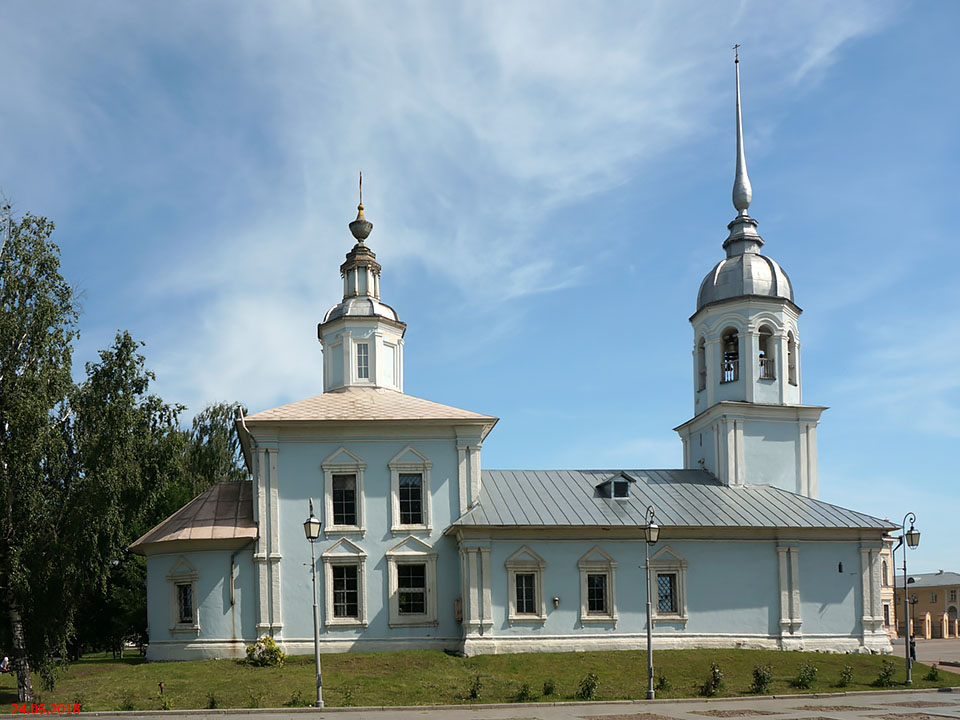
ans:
x=933 y=650
x=892 y=705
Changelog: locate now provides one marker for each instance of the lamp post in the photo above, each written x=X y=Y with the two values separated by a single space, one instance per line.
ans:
x=311 y=528
x=912 y=538
x=651 y=533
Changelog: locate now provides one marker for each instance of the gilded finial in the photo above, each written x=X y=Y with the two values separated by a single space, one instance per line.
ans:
x=361 y=227
x=742 y=192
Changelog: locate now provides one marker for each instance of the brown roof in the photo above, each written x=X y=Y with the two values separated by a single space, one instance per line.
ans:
x=366 y=404
x=224 y=512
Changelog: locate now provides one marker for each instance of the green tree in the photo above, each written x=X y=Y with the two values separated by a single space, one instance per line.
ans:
x=213 y=452
x=38 y=317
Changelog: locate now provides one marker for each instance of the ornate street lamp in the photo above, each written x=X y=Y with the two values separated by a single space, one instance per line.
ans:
x=311 y=528
x=912 y=538
x=651 y=533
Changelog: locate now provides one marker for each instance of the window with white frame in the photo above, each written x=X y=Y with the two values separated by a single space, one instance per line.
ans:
x=597 y=587
x=344 y=565
x=667 y=575
x=409 y=491
x=526 y=601
x=412 y=583
x=933 y=597
x=343 y=493
x=363 y=361
x=184 y=607
x=953 y=596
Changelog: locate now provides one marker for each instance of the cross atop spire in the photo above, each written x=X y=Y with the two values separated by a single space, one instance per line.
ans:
x=742 y=192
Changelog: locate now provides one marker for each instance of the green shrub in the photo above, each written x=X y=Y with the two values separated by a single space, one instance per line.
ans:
x=265 y=653
x=79 y=699
x=846 y=676
x=165 y=703
x=347 y=692
x=588 y=687
x=126 y=704
x=525 y=693
x=212 y=702
x=762 y=677
x=714 y=682
x=663 y=684
x=933 y=674
x=549 y=686
x=476 y=686
x=805 y=676
x=297 y=700
x=255 y=699
x=885 y=678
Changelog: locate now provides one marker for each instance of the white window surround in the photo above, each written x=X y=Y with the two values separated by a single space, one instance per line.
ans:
x=667 y=561
x=411 y=551
x=597 y=562
x=353 y=369
x=409 y=460
x=183 y=573
x=525 y=562
x=342 y=462
x=344 y=552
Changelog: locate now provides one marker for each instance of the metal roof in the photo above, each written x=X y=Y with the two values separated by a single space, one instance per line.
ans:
x=684 y=498
x=373 y=403
x=223 y=512
x=937 y=579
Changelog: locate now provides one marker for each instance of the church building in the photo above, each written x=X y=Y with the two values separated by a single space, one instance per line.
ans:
x=420 y=547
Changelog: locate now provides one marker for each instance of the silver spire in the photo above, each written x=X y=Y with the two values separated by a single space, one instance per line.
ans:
x=742 y=192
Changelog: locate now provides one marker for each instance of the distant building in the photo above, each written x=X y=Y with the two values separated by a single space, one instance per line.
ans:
x=934 y=604
x=422 y=548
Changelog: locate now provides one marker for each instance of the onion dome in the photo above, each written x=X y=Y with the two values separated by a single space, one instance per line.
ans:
x=744 y=272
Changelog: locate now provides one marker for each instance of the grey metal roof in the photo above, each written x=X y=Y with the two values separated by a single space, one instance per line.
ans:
x=684 y=498
x=746 y=274
x=937 y=579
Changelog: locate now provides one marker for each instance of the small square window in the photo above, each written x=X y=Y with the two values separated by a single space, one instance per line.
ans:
x=667 y=593
x=621 y=488
x=411 y=498
x=597 y=594
x=185 y=604
x=412 y=589
x=345 y=499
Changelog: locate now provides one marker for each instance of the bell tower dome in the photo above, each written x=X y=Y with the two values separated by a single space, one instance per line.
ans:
x=362 y=337
x=749 y=425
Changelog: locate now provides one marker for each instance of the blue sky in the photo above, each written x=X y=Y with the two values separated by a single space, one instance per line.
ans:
x=549 y=183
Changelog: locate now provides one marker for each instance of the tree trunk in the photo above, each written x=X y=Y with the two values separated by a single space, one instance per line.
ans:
x=20 y=662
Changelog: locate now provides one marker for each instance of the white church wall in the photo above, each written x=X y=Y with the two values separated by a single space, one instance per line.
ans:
x=301 y=476
x=222 y=628
x=830 y=599
x=770 y=451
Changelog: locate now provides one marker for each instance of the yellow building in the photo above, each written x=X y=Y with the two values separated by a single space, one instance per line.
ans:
x=934 y=604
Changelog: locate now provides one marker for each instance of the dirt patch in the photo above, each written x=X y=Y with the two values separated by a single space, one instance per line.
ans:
x=917 y=704
x=832 y=708
x=634 y=716
x=743 y=712
x=906 y=716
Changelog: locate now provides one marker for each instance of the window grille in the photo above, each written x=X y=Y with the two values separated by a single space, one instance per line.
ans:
x=667 y=593
x=411 y=498
x=412 y=589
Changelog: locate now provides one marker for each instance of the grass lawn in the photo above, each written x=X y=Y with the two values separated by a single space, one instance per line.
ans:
x=431 y=677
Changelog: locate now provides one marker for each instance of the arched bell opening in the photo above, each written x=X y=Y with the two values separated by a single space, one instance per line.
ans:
x=730 y=370
x=765 y=338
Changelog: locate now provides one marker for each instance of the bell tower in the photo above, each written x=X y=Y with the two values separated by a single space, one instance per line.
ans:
x=749 y=424
x=362 y=337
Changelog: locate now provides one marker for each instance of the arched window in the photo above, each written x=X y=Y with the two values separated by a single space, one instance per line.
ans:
x=730 y=370
x=766 y=353
x=701 y=365
x=791 y=359
x=885 y=577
